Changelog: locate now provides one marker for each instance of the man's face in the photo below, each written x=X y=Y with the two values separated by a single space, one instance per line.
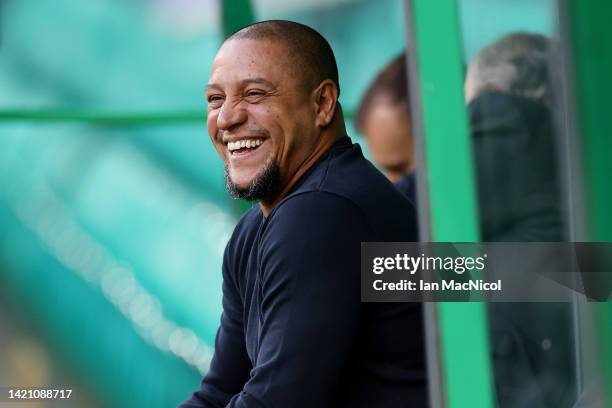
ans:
x=260 y=113
x=387 y=131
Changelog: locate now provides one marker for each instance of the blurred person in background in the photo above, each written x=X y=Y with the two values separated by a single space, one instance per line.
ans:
x=509 y=95
x=509 y=92
x=293 y=330
x=516 y=64
x=383 y=117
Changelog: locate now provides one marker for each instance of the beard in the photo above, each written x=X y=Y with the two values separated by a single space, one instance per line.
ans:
x=265 y=185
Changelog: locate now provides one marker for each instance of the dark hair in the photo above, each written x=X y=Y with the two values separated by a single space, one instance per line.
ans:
x=313 y=54
x=390 y=83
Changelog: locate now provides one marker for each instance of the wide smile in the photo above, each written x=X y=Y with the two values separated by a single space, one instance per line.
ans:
x=244 y=147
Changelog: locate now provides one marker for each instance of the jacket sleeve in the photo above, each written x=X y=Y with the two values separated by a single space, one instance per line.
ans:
x=230 y=365
x=310 y=302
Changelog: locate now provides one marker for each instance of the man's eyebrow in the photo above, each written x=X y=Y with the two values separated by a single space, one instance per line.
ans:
x=257 y=81
x=243 y=83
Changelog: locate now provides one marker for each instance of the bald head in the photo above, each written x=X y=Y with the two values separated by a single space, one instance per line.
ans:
x=308 y=52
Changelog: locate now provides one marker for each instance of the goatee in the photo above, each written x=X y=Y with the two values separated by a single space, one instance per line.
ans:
x=265 y=185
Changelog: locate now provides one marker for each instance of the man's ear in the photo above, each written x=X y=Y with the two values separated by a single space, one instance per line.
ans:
x=325 y=102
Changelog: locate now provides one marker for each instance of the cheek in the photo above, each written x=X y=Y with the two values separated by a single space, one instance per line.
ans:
x=213 y=130
x=211 y=124
x=265 y=119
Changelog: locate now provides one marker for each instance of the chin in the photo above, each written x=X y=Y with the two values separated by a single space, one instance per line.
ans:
x=242 y=180
x=254 y=185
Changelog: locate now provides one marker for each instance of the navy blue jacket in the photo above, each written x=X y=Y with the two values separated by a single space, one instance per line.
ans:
x=293 y=331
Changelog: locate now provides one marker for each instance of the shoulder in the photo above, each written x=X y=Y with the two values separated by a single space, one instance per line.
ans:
x=314 y=234
x=390 y=213
x=351 y=175
x=316 y=213
x=346 y=186
x=316 y=204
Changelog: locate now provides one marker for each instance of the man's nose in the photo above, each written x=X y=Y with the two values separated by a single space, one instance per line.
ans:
x=230 y=116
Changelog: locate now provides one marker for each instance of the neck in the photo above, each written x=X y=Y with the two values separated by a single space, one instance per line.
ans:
x=325 y=143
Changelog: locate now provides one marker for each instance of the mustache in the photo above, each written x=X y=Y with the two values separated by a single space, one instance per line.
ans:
x=222 y=135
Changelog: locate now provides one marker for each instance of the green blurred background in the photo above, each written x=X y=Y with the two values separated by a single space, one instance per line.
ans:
x=113 y=214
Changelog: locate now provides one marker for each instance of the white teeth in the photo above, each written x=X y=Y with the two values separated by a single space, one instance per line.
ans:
x=246 y=143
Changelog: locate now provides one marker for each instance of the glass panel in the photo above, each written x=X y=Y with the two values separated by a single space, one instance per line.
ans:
x=457 y=336
x=512 y=96
x=588 y=144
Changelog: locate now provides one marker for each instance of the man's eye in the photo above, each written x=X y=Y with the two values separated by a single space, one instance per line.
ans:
x=214 y=98
x=255 y=93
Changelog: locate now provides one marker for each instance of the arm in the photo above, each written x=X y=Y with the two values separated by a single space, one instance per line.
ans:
x=230 y=365
x=310 y=289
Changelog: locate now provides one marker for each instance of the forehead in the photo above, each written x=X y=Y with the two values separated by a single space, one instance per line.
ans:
x=384 y=107
x=241 y=59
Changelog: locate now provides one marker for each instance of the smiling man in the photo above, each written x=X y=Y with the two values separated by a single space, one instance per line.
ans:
x=293 y=330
